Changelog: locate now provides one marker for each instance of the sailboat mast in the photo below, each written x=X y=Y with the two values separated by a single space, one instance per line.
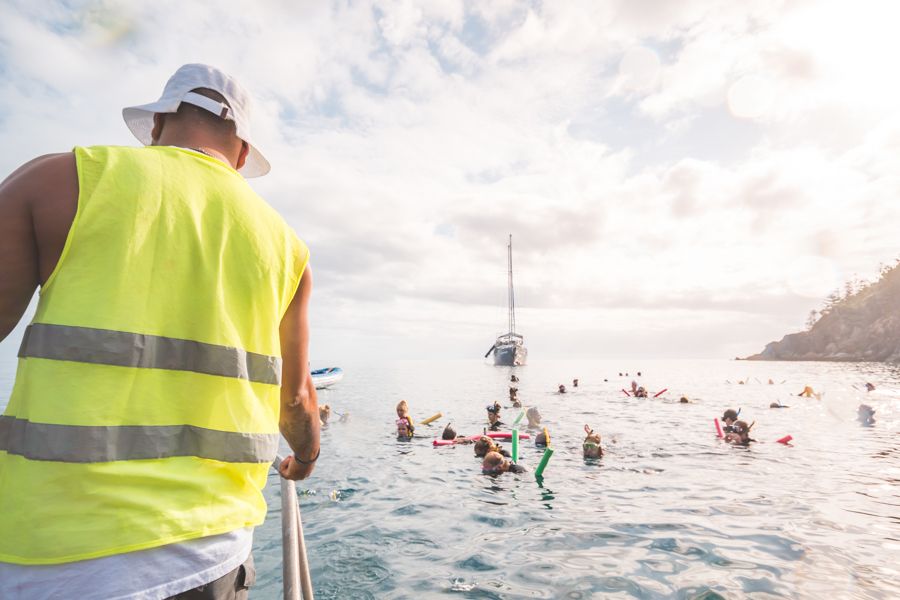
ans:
x=512 y=295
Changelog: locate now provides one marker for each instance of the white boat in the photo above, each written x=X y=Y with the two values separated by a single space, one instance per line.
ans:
x=324 y=378
x=509 y=350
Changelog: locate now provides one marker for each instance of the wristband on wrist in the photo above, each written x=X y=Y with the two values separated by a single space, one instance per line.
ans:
x=308 y=462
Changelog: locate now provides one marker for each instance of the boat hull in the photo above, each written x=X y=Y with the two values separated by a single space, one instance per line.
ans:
x=323 y=378
x=510 y=355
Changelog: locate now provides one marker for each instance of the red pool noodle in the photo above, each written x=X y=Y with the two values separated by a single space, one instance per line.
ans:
x=658 y=394
x=786 y=439
x=718 y=428
x=495 y=435
x=504 y=435
x=626 y=393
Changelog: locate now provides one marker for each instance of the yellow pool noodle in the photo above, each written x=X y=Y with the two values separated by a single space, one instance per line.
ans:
x=434 y=417
x=547 y=436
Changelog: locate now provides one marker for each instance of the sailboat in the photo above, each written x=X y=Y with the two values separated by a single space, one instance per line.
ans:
x=509 y=349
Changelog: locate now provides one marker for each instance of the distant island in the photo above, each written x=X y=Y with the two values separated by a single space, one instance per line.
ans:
x=859 y=323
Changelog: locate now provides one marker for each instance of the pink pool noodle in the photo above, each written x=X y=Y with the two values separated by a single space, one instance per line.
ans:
x=626 y=393
x=785 y=439
x=504 y=435
x=663 y=391
x=718 y=428
x=495 y=435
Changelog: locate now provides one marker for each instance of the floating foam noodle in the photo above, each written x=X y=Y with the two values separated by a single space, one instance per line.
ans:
x=434 y=417
x=547 y=437
x=505 y=435
x=515 y=445
x=626 y=393
x=519 y=418
x=494 y=435
x=661 y=392
x=785 y=440
x=539 y=472
x=718 y=428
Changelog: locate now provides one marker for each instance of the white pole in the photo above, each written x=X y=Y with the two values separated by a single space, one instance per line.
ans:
x=289 y=541
x=305 y=579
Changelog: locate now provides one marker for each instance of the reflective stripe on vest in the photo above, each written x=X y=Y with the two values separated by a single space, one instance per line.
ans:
x=125 y=349
x=97 y=443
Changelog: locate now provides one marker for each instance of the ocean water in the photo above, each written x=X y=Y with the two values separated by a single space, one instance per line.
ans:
x=668 y=512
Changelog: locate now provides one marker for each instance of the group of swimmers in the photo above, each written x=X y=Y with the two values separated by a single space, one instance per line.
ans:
x=496 y=460
x=562 y=388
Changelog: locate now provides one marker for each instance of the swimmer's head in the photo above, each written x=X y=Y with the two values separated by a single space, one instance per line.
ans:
x=742 y=430
x=324 y=413
x=540 y=439
x=533 y=415
x=402 y=408
x=730 y=416
x=493 y=416
x=449 y=433
x=483 y=445
x=591 y=445
x=684 y=400
x=493 y=464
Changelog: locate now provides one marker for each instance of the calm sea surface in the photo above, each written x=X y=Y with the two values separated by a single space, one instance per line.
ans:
x=668 y=512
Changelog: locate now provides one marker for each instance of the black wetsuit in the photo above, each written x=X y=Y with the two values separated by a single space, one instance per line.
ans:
x=496 y=426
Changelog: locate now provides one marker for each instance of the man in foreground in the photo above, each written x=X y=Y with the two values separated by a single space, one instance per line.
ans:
x=168 y=349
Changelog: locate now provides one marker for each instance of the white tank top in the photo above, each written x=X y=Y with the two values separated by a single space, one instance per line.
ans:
x=152 y=574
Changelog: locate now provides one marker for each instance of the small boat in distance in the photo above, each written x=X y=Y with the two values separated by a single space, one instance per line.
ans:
x=509 y=348
x=323 y=378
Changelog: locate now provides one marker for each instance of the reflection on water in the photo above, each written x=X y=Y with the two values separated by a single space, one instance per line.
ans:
x=668 y=511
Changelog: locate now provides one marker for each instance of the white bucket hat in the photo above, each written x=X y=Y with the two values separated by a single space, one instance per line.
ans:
x=178 y=89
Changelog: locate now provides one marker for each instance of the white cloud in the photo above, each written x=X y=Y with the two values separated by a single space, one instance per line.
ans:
x=409 y=138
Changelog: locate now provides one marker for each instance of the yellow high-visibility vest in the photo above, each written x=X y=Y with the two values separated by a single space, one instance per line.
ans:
x=145 y=407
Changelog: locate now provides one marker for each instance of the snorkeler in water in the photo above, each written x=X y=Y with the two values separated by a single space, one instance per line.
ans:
x=739 y=434
x=405 y=427
x=808 y=392
x=324 y=414
x=449 y=433
x=866 y=414
x=591 y=445
x=728 y=420
x=493 y=414
x=495 y=464
x=484 y=445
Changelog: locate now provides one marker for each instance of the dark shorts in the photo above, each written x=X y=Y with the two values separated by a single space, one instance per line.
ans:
x=231 y=586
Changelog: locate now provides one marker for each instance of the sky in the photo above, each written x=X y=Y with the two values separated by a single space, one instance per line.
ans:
x=681 y=179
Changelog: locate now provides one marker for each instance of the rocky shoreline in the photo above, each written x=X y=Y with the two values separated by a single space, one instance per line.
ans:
x=864 y=326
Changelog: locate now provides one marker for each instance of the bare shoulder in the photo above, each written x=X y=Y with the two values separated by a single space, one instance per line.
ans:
x=48 y=180
x=34 y=172
x=44 y=193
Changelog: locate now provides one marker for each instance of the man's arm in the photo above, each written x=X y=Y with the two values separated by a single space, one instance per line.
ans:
x=299 y=421
x=37 y=205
